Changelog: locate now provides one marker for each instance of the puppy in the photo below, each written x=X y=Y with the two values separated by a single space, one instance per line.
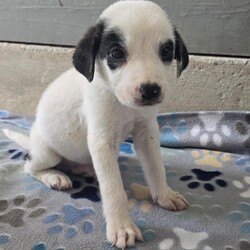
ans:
x=122 y=67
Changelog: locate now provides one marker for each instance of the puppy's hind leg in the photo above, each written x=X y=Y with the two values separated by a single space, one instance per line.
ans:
x=43 y=158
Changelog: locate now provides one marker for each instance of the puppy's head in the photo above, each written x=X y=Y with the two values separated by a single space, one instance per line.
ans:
x=132 y=47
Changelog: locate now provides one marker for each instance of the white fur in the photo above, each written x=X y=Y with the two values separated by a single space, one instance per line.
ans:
x=85 y=122
x=18 y=137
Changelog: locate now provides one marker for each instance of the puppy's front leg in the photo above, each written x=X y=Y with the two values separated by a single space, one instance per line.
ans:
x=147 y=144
x=121 y=231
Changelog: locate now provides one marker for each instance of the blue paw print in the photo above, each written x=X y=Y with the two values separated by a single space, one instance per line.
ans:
x=244 y=161
x=73 y=214
x=147 y=234
x=168 y=137
x=20 y=122
x=126 y=148
x=71 y=217
x=39 y=246
x=171 y=127
x=240 y=216
x=173 y=121
x=161 y=119
x=32 y=184
x=42 y=246
x=4 y=114
x=4 y=239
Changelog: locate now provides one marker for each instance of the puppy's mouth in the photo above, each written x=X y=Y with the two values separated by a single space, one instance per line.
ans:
x=154 y=101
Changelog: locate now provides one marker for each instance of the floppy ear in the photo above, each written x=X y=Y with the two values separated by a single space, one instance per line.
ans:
x=181 y=53
x=86 y=51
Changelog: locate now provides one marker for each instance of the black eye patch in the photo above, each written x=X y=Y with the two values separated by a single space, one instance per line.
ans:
x=113 y=49
x=167 y=51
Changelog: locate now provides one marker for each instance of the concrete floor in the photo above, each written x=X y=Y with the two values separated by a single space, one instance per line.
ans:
x=209 y=83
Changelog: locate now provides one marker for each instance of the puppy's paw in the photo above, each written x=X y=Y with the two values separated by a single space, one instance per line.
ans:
x=57 y=180
x=171 y=200
x=60 y=182
x=123 y=234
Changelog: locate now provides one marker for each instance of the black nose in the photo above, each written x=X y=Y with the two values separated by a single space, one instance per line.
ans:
x=150 y=91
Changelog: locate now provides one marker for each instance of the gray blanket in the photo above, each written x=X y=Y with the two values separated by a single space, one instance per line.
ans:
x=207 y=157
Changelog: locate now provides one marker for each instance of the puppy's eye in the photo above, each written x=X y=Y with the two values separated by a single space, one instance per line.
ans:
x=117 y=54
x=166 y=52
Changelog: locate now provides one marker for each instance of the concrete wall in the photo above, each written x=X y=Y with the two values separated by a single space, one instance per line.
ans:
x=218 y=27
x=209 y=83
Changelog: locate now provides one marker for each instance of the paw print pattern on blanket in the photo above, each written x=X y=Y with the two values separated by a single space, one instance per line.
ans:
x=4 y=114
x=147 y=234
x=169 y=136
x=243 y=128
x=242 y=216
x=205 y=178
x=211 y=130
x=141 y=194
x=185 y=242
x=42 y=246
x=142 y=206
x=244 y=161
x=126 y=148
x=16 y=154
x=12 y=153
x=4 y=239
x=71 y=216
x=32 y=183
x=13 y=214
x=210 y=158
x=242 y=245
x=243 y=186
x=88 y=189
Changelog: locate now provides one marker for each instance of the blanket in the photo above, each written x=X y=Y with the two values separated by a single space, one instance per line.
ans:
x=207 y=158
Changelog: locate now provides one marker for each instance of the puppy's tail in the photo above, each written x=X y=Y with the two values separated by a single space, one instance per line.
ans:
x=19 y=138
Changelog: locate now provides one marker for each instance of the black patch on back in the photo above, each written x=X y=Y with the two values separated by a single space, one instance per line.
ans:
x=87 y=49
x=113 y=39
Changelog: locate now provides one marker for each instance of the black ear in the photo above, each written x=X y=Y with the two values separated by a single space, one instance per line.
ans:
x=86 y=51
x=181 y=53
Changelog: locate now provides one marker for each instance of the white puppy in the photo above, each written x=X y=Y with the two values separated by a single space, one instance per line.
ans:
x=122 y=69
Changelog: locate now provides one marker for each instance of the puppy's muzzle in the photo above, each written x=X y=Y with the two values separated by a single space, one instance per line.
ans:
x=150 y=94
